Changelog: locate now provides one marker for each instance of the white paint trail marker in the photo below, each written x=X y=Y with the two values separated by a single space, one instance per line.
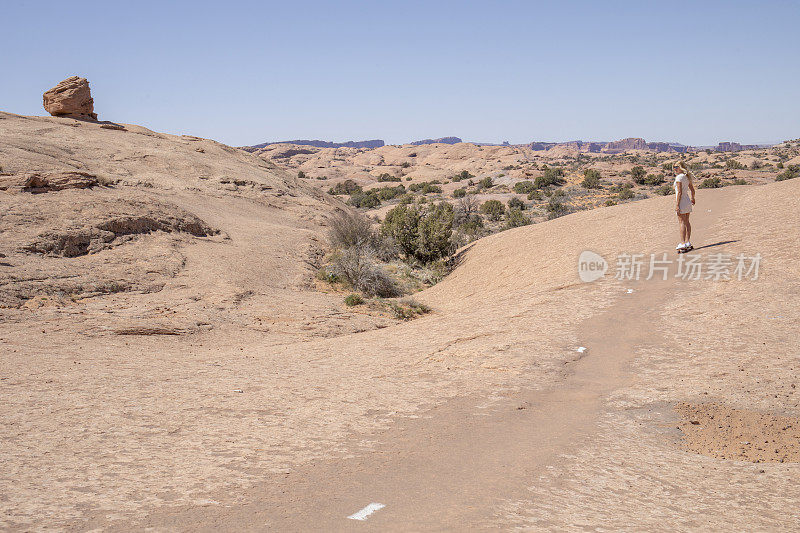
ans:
x=582 y=349
x=366 y=511
x=630 y=291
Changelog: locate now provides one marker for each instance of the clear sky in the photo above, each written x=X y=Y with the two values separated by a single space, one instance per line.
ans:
x=491 y=71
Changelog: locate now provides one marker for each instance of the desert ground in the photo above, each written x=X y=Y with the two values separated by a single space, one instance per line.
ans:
x=170 y=362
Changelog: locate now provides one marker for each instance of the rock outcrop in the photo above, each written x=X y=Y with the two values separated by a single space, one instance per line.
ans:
x=631 y=143
x=374 y=143
x=440 y=140
x=70 y=98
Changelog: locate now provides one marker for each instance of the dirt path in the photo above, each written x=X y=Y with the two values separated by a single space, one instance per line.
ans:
x=449 y=469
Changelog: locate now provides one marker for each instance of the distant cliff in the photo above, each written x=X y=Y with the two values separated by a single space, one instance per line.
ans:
x=442 y=140
x=613 y=147
x=374 y=143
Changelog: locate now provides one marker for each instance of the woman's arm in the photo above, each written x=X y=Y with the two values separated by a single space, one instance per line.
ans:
x=678 y=195
x=691 y=190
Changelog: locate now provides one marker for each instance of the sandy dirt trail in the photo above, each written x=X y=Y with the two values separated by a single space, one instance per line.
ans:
x=453 y=468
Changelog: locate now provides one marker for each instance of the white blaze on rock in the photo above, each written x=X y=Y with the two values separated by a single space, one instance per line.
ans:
x=70 y=98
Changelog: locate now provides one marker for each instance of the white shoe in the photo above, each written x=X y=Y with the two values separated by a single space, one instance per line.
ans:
x=680 y=246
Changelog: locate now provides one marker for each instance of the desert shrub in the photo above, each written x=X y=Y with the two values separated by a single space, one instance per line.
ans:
x=516 y=203
x=388 y=177
x=790 y=173
x=459 y=193
x=424 y=187
x=471 y=225
x=412 y=154
x=739 y=181
x=345 y=187
x=367 y=200
x=756 y=164
x=405 y=164
x=732 y=164
x=524 y=187
x=654 y=179
x=468 y=204
x=301 y=175
x=610 y=202
x=710 y=183
x=665 y=190
x=353 y=300
x=535 y=195
x=556 y=208
x=422 y=234
x=389 y=193
x=780 y=164
x=551 y=176
x=591 y=179
x=408 y=309
x=357 y=267
x=463 y=175
x=516 y=218
x=626 y=194
x=493 y=209
x=435 y=231
x=486 y=183
x=349 y=229
x=638 y=174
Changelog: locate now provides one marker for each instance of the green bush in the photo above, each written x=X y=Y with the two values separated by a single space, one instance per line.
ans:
x=638 y=174
x=472 y=224
x=424 y=187
x=535 y=195
x=654 y=179
x=551 y=176
x=790 y=173
x=493 y=209
x=301 y=175
x=610 y=202
x=732 y=164
x=366 y=200
x=591 y=179
x=353 y=300
x=459 y=193
x=486 y=183
x=345 y=187
x=516 y=218
x=388 y=177
x=463 y=175
x=739 y=181
x=435 y=231
x=665 y=190
x=524 y=187
x=556 y=208
x=625 y=194
x=389 y=193
x=405 y=164
x=425 y=235
x=516 y=203
x=710 y=183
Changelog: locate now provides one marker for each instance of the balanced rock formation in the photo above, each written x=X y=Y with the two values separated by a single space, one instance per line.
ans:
x=70 y=98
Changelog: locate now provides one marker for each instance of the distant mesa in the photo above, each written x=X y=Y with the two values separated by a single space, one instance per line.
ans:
x=374 y=143
x=70 y=98
x=441 y=140
x=735 y=147
x=613 y=147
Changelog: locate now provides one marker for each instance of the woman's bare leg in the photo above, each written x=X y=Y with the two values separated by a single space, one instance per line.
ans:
x=688 y=226
x=682 y=224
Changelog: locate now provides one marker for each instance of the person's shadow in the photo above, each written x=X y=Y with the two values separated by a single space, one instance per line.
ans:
x=720 y=243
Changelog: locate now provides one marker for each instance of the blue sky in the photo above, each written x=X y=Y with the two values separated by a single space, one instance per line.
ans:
x=248 y=72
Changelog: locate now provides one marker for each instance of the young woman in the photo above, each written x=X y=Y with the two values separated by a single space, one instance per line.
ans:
x=683 y=205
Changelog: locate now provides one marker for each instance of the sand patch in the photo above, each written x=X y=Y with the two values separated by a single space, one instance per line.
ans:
x=725 y=433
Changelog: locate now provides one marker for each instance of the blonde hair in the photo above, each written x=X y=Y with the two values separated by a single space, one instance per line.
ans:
x=680 y=165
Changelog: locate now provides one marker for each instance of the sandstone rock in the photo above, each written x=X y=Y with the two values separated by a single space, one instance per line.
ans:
x=38 y=182
x=70 y=98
